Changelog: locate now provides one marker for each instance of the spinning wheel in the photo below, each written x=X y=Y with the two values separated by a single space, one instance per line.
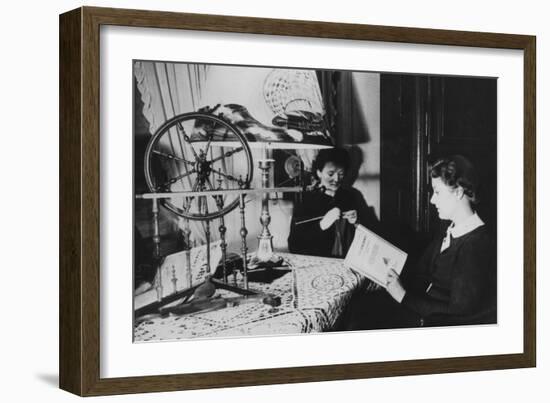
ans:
x=198 y=152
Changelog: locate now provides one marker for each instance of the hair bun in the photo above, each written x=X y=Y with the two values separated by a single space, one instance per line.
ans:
x=456 y=171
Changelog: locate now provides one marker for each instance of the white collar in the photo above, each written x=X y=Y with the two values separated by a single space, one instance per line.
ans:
x=468 y=225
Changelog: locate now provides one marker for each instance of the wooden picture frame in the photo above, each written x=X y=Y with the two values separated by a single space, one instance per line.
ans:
x=80 y=200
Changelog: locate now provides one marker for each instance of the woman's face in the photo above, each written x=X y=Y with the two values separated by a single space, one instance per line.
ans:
x=331 y=176
x=445 y=199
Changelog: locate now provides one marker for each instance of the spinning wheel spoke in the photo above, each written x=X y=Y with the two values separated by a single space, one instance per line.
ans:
x=172 y=157
x=211 y=137
x=209 y=184
x=208 y=144
x=195 y=185
x=187 y=139
x=188 y=201
x=175 y=179
x=227 y=154
x=217 y=198
x=228 y=176
x=193 y=169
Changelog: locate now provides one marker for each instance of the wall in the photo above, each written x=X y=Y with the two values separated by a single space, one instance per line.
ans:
x=28 y=99
x=358 y=131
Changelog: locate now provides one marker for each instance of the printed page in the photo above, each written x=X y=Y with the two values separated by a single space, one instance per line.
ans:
x=373 y=256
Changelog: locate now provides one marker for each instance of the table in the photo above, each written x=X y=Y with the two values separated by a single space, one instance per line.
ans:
x=314 y=295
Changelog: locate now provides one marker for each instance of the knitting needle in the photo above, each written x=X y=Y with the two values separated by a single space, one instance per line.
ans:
x=308 y=220
x=343 y=215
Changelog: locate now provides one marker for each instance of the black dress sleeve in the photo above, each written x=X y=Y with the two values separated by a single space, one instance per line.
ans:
x=416 y=277
x=308 y=238
x=471 y=288
x=366 y=215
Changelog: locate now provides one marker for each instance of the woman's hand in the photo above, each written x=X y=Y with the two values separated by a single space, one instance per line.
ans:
x=394 y=286
x=329 y=218
x=351 y=216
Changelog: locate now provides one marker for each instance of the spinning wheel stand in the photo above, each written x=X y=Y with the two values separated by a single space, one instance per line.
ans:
x=202 y=292
x=181 y=167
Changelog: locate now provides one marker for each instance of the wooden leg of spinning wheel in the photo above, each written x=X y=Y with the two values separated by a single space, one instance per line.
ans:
x=156 y=248
x=187 y=246
x=244 y=233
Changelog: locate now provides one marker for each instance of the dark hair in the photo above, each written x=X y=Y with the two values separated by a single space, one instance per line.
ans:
x=457 y=171
x=338 y=156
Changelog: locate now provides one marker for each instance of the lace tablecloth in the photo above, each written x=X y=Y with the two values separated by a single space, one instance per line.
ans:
x=313 y=295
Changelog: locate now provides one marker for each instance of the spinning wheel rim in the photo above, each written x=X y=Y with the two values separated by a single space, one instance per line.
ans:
x=162 y=130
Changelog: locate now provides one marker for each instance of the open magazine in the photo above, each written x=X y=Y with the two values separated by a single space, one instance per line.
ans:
x=373 y=256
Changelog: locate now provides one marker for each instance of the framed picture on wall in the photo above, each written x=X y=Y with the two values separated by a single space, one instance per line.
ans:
x=223 y=180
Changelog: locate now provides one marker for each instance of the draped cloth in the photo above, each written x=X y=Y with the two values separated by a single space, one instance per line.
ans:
x=168 y=89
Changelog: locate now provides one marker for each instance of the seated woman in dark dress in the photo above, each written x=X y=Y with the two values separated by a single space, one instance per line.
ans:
x=455 y=281
x=323 y=224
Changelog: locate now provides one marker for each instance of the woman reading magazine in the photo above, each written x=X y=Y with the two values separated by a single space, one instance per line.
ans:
x=455 y=281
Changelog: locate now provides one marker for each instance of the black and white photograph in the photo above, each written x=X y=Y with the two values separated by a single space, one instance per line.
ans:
x=277 y=201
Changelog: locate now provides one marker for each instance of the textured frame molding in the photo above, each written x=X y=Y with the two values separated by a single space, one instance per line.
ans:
x=79 y=200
